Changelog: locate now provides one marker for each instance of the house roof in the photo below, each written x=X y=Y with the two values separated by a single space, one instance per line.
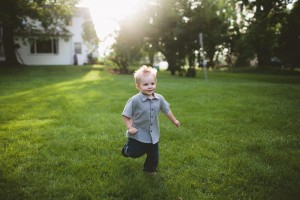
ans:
x=37 y=30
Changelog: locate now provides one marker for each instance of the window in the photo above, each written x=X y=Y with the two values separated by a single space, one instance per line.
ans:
x=44 y=46
x=77 y=46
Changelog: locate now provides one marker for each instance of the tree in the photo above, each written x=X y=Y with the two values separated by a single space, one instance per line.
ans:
x=244 y=29
x=213 y=19
x=173 y=26
x=18 y=18
x=289 y=42
x=264 y=29
x=179 y=22
x=129 y=42
x=89 y=36
x=154 y=28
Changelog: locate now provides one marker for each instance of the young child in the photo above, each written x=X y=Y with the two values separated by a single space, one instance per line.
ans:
x=140 y=116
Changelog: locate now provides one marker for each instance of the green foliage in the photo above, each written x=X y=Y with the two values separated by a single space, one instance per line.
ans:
x=213 y=19
x=244 y=29
x=61 y=134
x=172 y=27
x=289 y=42
x=263 y=33
x=89 y=36
x=127 y=48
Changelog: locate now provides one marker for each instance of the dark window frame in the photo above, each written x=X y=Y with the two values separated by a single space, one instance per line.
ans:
x=44 y=46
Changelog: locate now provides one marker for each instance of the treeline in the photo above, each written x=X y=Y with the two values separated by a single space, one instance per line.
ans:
x=234 y=32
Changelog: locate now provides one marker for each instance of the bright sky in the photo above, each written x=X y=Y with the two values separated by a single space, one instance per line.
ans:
x=104 y=14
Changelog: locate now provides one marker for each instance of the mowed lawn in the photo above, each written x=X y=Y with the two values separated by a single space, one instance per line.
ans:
x=61 y=134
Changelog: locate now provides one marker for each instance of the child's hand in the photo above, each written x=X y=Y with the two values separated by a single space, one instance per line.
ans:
x=176 y=123
x=132 y=130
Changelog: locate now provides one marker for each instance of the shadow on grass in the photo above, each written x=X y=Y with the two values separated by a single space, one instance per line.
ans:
x=30 y=78
x=9 y=188
x=267 y=74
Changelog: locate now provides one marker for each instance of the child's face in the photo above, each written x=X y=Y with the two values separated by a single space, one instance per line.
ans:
x=147 y=85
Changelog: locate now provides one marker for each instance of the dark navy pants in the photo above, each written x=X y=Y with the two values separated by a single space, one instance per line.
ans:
x=136 y=149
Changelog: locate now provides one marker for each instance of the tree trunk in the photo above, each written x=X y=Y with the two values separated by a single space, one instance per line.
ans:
x=9 y=46
x=172 y=64
x=263 y=58
x=151 y=58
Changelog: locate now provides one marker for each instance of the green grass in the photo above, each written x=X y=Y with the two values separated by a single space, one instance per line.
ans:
x=61 y=134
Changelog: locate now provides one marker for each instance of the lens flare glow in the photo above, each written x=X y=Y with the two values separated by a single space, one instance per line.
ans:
x=105 y=13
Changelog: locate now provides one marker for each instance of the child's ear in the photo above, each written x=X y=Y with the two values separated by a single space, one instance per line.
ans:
x=137 y=86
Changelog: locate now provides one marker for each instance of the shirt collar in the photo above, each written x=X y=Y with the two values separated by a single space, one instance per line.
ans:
x=144 y=97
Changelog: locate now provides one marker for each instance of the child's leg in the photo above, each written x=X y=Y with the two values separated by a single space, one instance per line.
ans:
x=151 y=161
x=133 y=148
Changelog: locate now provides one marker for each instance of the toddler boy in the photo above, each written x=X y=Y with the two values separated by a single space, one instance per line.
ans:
x=140 y=116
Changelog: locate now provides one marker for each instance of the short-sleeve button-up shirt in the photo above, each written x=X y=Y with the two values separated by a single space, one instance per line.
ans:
x=143 y=113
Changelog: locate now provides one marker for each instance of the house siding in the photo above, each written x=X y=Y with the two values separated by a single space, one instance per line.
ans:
x=64 y=56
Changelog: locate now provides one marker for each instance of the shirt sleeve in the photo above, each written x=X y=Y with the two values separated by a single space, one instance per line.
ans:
x=128 y=109
x=164 y=106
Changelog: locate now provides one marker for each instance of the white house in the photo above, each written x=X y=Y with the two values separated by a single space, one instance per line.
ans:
x=57 y=51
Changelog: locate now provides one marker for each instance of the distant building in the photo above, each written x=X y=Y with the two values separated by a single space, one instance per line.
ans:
x=55 y=50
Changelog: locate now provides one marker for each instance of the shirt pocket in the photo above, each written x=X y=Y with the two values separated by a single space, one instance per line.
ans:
x=155 y=110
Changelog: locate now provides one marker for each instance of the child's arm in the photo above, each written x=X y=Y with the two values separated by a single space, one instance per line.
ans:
x=173 y=119
x=128 y=125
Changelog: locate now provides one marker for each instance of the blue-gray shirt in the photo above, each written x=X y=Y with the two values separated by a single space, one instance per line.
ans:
x=143 y=113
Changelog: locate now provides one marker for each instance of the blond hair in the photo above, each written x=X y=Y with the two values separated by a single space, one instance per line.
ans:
x=144 y=71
